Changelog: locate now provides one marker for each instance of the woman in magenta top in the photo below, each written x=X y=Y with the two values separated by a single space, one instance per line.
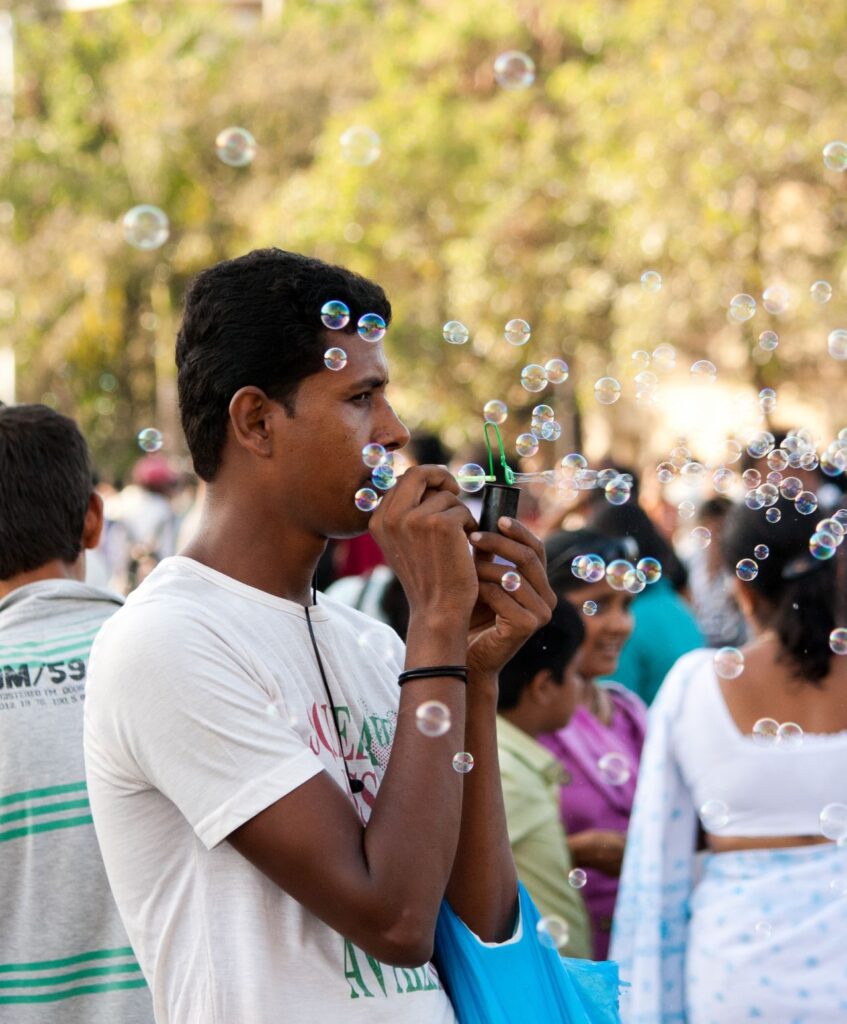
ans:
x=601 y=746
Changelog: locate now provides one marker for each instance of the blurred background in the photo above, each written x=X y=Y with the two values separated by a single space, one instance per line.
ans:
x=682 y=138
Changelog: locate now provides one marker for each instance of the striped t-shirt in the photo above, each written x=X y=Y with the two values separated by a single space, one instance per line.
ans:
x=64 y=954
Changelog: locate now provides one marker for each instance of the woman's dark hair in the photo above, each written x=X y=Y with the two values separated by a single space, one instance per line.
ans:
x=564 y=546
x=631 y=520
x=552 y=647
x=805 y=596
x=46 y=482
x=257 y=320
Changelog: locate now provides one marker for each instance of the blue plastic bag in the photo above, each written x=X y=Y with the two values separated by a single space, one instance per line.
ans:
x=521 y=981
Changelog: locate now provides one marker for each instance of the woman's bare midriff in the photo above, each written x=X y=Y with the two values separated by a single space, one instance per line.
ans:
x=733 y=844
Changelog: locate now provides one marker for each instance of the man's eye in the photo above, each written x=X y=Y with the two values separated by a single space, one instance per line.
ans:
x=365 y=396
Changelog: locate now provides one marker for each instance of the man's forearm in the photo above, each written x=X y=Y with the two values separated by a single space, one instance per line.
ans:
x=483 y=884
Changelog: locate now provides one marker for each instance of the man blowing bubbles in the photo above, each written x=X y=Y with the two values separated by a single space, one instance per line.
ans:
x=269 y=860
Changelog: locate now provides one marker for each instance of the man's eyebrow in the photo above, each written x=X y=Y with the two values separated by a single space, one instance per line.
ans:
x=368 y=382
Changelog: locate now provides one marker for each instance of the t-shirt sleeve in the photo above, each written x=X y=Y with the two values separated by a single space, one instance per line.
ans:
x=181 y=710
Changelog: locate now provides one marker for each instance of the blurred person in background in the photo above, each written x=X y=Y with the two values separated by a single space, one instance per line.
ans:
x=711 y=584
x=64 y=953
x=754 y=743
x=601 y=745
x=538 y=693
x=659 y=610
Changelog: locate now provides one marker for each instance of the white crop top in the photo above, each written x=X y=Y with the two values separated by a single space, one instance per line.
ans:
x=770 y=790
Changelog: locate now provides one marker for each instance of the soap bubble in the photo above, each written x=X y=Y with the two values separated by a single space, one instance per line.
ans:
x=556 y=370
x=235 y=147
x=728 y=662
x=789 y=734
x=526 y=445
x=146 y=227
x=806 y=503
x=651 y=567
x=665 y=471
x=335 y=359
x=533 y=378
x=462 y=762
x=835 y=156
x=760 y=444
x=767 y=399
x=607 y=390
x=822 y=546
x=821 y=292
x=553 y=932
x=769 y=493
x=335 y=314
x=614 y=769
x=618 y=491
x=455 y=332
x=514 y=70
x=360 y=146
x=551 y=430
x=510 y=581
x=723 y=480
x=366 y=499
x=833 y=821
x=495 y=411
x=590 y=568
x=651 y=281
x=836 y=344
x=383 y=477
x=763 y=931
x=664 y=357
x=686 y=509
x=543 y=412
x=768 y=340
x=700 y=537
x=746 y=570
x=371 y=327
x=773 y=515
x=471 y=477
x=574 y=461
x=634 y=581
x=761 y=551
x=705 y=371
x=589 y=608
x=778 y=460
x=150 y=439
x=714 y=815
x=577 y=878
x=616 y=573
x=753 y=499
x=790 y=487
x=517 y=332
x=751 y=477
x=641 y=359
x=775 y=299
x=838 y=640
x=374 y=455
x=433 y=718
x=742 y=307
x=765 y=732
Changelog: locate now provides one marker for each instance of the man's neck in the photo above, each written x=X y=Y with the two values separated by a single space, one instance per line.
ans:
x=522 y=720
x=56 y=570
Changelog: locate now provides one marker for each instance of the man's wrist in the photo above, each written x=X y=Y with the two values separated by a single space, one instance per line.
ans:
x=436 y=639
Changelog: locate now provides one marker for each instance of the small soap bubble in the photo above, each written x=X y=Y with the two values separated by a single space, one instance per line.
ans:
x=577 y=878
x=360 y=146
x=767 y=400
x=763 y=931
x=700 y=537
x=589 y=608
x=838 y=640
x=462 y=762
x=590 y=568
x=607 y=390
x=768 y=340
x=822 y=545
x=616 y=573
x=574 y=461
x=651 y=567
x=641 y=359
x=495 y=411
x=526 y=445
x=833 y=821
x=836 y=344
x=778 y=460
x=765 y=732
x=455 y=332
x=514 y=70
x=705 y=371
x=384 y=478
x=366 y=499
x=775 y=299
x=806 y=503
x=791 y=487
x=614 y=769
x=374 y=455
x=510 y=581
x=835 y=156
x=471 y=477
x=543 y=412
x=235 y=147
x=723 y=480
x=773 y=515
x=557 y=371
x=760 y=444
x=150 y=439
x=551 y=430
x=789 y=734
x=714 y=815
x=517 y=332
x=618 y=491
x=335 y=359
x=146 y=227
x=753 y=499
x=651 y=281
x=634 y=581
x=751 y=477
x=769 y=493
x=686 y=509
x=761 y=551
x=533 y=378
x=666 y=471
x=746 y=569
x=335 y=314
x=371 y=327
x=742 y=307
x=433 y=718
x=728 y=662
x=553 y=932
x=664 y=357
x=821 y=292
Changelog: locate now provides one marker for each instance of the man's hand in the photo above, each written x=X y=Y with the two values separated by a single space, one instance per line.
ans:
x=503 y=621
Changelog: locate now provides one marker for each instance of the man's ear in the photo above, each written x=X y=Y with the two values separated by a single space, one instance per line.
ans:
x=93 y=524
x=540 y=688
x=253 y=417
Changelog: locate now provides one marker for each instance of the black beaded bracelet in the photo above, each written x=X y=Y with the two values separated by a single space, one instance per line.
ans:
x=434 y=672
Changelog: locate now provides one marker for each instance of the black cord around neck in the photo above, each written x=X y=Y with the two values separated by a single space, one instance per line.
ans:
x=356 y=785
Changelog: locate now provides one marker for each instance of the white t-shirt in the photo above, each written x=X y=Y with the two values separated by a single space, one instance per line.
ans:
x=204 y=706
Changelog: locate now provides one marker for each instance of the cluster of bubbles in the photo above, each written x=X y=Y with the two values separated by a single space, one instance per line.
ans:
x=618 y=573
x=335 y=316
x=768 y=732
x=383 y=475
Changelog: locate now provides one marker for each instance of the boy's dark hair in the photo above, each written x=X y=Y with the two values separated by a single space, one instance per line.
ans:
x=256 y=320
x=46 y=481
x=551 y=648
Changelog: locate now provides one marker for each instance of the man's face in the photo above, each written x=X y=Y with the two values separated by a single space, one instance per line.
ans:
x=318 y=465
